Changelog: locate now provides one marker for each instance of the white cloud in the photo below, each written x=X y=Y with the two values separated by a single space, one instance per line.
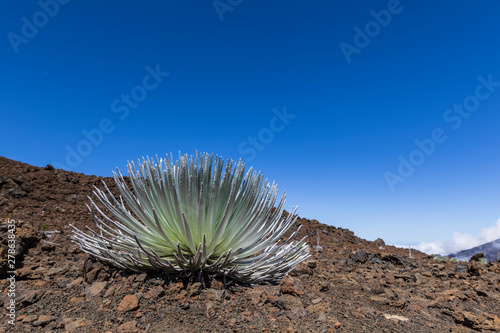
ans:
x=432 y=248
x=461 y=241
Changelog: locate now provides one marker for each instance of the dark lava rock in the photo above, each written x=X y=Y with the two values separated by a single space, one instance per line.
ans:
x=477 y=257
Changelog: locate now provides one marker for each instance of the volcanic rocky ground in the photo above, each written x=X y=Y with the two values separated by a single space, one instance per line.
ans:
x=352 y=285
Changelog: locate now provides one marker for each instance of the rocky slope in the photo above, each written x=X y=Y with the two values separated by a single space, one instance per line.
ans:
x=352 y=285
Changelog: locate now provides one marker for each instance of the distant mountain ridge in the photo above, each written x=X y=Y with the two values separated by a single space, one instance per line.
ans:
x=491 y=251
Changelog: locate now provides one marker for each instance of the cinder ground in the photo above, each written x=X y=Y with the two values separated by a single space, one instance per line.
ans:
x=353 y=285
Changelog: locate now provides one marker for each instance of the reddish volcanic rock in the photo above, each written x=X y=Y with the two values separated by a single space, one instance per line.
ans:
x=352 y=285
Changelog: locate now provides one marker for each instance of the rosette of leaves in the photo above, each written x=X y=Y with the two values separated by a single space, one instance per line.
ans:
x=193 y=218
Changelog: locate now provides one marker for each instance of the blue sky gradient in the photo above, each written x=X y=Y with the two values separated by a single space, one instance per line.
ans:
x=88 y=86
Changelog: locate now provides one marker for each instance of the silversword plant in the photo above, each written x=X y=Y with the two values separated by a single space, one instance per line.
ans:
x=193 y=218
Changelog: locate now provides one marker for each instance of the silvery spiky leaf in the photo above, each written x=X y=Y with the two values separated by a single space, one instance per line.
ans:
x=194 y=217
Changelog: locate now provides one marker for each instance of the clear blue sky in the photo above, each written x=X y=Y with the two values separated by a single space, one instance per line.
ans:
x=321 y=96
